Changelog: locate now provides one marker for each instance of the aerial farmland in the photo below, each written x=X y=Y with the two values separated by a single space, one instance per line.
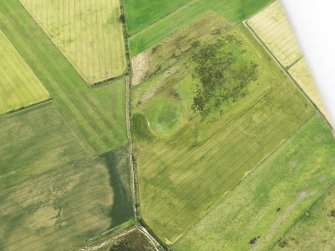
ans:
x=160 y=125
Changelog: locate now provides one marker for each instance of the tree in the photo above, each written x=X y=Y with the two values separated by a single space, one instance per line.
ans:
x=122 y=18
x=223 y=69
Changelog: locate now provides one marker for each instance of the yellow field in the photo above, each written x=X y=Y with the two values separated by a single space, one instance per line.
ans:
x=19 y=87
x=89 y=33
x=273 y=27
x=301 y=74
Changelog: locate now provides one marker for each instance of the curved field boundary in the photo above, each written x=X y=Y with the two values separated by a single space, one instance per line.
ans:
x=89 y=34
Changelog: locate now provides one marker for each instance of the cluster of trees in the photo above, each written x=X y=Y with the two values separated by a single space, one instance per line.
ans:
x=224 y=70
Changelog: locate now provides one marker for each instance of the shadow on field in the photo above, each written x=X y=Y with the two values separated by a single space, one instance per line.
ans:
x=117 y=163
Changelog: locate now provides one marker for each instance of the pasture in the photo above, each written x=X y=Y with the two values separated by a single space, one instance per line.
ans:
x=154 y=10
x=181 y=176
x=232 y=11
x=19 y=87
x=96 y=115
x=314 y=230
x=89 y=33
x=274 y=29
x=304 y=78
x=270 y=199
x=67 y=206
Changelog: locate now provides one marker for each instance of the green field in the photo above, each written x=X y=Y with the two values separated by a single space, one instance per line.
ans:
x=64 y=172
x=66 y=207
x=97 y=115
x=29 y=147
x=205 y=143
x=89 y=34
x=154 y=10
x=315 y=229
x=182 y=175
x=232 y=11
x=19 y=87
x=291 y=179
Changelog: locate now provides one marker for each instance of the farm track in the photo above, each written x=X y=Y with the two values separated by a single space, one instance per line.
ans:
x=158 y=244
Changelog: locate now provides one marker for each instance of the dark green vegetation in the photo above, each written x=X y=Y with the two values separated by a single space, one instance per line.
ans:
x=67 y=206
x=168 y=52
x=290 y=180
x=224 y=70
x=183 y=174
x=232 y=11
x=133 y=241
x=64 y=170
x=315 y=228
x=141 y=13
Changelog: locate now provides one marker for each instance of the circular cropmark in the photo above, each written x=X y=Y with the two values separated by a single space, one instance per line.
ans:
x=164 y=116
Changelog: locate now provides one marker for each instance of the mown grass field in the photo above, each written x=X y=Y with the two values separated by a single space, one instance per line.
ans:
x=96 y=115
x=232 y=11
x=291 y=179
x=140 y=14
x=314 y=230
x=183 y=174
x=66 y=207
x=304 y=78
x=89 y=33
x=19 y=87
x=273 y=27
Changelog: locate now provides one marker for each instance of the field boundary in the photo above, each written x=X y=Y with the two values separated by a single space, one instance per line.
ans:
x=163 y=17
x=321 y=195
x=119 y=235
x=250 y=172
x=79 y=72
x=25 y=107
x=260 y=41
x=140 y=224
x=166 y=16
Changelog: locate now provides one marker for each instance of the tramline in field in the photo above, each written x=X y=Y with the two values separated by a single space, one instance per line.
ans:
x=19 y=87
x=272 y=26
x=89 y=33
x=205 y=143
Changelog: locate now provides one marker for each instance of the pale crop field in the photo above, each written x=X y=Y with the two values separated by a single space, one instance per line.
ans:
x=304 y=78
x=273 y=27
x=89 y=33
x=19 y=87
